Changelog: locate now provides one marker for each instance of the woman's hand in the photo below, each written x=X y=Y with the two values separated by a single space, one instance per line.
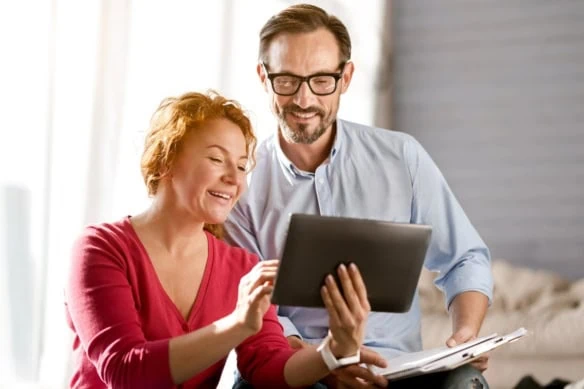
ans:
x=253 y=298
x=348 y=315
x=358 y=376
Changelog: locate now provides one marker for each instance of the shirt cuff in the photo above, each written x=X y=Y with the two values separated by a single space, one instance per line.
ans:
x=471 y=277
x=289 y=328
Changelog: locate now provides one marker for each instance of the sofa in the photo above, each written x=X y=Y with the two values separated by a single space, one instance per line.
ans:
x=549 y=307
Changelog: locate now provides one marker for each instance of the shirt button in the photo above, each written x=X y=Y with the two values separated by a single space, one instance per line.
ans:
x=321 y=180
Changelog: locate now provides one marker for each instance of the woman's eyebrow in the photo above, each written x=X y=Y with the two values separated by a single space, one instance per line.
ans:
x=225 y=151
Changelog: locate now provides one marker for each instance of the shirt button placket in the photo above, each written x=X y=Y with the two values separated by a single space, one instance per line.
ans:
x=323 y=193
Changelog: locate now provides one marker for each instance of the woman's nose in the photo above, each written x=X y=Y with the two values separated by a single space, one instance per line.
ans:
x=233 y=175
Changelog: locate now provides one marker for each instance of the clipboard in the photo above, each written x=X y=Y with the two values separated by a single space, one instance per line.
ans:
x=444 y=358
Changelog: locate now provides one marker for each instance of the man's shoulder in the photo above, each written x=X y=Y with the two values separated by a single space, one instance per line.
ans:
x=266 y=148
x=373 y=131
x=265 y=159
x=361 y=134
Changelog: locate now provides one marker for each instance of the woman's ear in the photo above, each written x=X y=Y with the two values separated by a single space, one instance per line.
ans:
x=166 y=173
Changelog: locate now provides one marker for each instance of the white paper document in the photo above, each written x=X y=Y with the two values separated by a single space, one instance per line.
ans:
x=444 y=358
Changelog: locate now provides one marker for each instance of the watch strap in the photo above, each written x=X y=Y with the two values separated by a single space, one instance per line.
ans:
x=329 y=358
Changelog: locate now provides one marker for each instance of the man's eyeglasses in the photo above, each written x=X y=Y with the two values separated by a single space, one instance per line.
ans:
x=321 y=84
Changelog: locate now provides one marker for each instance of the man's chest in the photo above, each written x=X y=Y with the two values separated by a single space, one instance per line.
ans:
x=373 y=195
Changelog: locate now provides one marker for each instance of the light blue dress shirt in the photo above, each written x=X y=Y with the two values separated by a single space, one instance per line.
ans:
x=375 y=174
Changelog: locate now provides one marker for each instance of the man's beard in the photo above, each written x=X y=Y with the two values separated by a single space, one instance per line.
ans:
x=301 y=134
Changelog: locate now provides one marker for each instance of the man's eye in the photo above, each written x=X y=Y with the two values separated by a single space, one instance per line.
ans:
x=285 y=81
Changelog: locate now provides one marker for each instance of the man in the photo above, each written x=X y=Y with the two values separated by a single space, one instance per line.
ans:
x=316 y=163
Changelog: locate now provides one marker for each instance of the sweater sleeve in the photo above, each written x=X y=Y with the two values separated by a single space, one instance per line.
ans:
x=261 y=358
x=104 y=316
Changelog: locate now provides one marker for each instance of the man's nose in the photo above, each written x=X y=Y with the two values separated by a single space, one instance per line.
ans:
x=304 y=97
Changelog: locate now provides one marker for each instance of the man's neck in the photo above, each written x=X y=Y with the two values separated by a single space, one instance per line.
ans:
x=309 y=157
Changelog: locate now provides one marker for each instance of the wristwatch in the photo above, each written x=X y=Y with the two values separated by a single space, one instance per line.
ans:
x=329 y=358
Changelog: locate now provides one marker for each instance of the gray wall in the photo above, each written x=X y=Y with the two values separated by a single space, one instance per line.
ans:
x=495 y=91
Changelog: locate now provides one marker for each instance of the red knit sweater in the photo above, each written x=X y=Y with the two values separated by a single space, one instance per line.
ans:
x=123 y=319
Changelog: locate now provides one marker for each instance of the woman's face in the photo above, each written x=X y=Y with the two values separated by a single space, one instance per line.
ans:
x=209 y=174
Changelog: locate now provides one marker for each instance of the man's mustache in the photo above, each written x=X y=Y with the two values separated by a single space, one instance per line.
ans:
x=296 y=109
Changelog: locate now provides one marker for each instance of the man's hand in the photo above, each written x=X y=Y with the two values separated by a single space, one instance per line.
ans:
x=468 y=311
x=357 y=376
x=463 y=335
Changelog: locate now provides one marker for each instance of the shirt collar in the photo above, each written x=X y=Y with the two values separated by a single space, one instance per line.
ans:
x=292 y=170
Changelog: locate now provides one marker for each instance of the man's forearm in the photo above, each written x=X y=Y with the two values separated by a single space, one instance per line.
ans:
x=468 y=309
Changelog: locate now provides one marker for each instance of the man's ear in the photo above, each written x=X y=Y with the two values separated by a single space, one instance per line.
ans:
x=262 y=75
x=347 y=75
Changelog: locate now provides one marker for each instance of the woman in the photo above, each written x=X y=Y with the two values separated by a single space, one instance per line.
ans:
x=156 y=300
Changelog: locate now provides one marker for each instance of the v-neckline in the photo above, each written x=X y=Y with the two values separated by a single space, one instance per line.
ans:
x=200 y=297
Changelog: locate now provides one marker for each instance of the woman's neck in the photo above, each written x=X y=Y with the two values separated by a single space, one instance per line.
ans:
x=171 y=230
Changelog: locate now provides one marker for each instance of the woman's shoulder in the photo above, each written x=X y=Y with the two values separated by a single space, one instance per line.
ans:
x=110 y=239
x=106 y=232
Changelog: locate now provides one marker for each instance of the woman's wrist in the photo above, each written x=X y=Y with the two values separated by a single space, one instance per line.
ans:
x=340 y=351
x=232 y=325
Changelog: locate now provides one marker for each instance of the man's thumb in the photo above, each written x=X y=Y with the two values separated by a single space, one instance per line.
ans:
x=451 y=342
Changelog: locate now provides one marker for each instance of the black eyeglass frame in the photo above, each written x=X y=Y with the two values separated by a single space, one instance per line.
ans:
x=336 y=76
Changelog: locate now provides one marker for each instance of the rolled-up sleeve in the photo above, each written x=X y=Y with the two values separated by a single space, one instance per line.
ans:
x=456 y=250
x=289 y=328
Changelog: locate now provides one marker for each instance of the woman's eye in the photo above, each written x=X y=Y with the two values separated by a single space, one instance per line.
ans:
x=218 y=160
x=242 y=168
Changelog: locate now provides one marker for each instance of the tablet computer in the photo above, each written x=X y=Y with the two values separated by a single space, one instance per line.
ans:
x=389 y=256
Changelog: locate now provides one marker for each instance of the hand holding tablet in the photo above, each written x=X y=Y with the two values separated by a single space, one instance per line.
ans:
x=347 y=317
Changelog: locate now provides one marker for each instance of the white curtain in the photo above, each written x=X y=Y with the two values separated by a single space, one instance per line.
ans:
x=79 y=82
x=87 y=105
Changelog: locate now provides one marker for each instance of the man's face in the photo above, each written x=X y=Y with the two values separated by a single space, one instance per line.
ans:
x=304 y=117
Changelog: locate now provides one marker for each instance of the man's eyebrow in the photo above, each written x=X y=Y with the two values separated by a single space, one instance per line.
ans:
x=321 y=71
x=225 y=151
